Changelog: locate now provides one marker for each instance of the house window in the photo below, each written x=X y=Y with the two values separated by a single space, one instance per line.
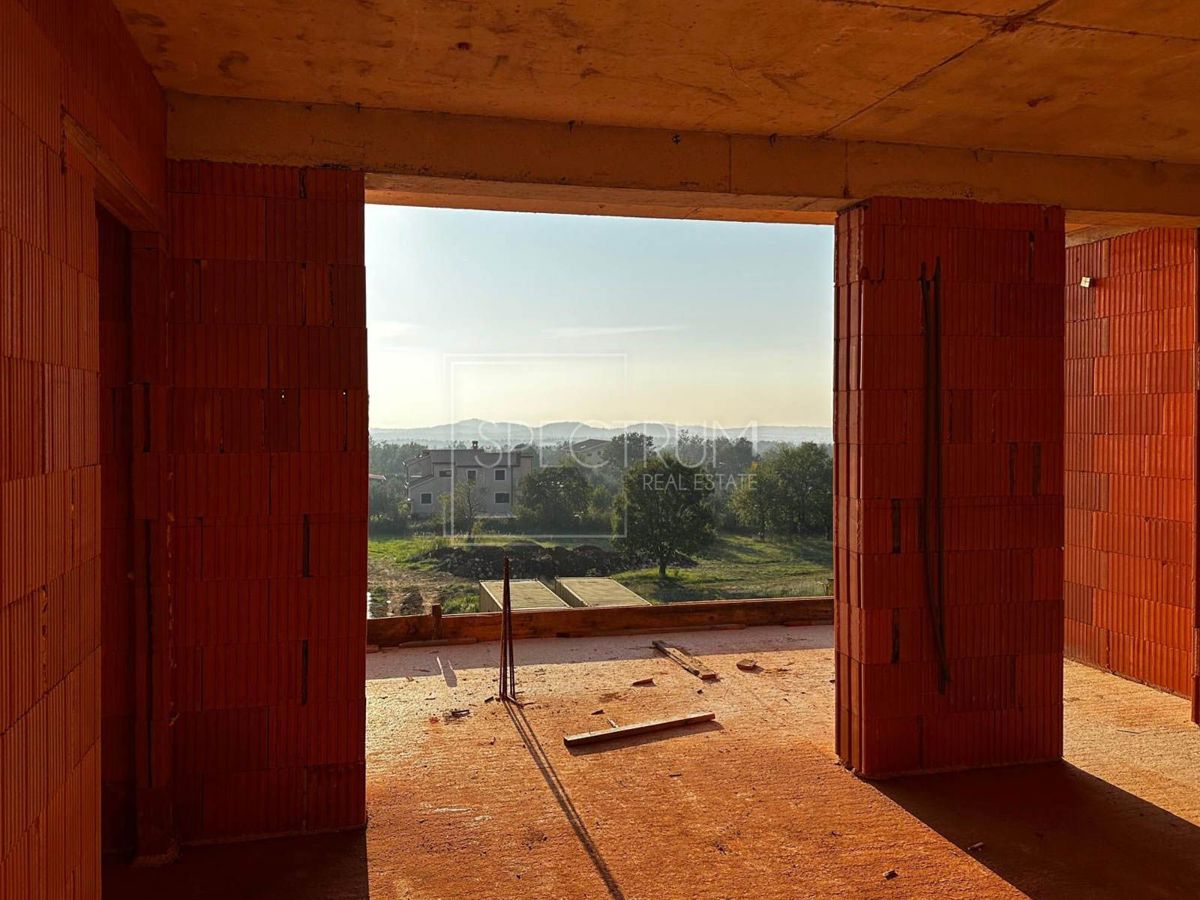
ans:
x=501 y=498
x=472 y=475
x=426 y=499
x=500 y=475
x=443 y=473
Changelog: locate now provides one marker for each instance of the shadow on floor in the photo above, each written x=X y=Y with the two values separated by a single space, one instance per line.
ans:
x=326 y=866
x=1054 y=831
x=550 y=774
x=425 y=662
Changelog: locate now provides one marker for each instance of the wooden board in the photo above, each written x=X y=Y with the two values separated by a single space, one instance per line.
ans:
x=624 y=731
x=688 y=662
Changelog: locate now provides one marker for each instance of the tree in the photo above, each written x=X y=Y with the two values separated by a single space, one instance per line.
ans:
x=751 y=500
x=790 y=492
x=803 y=491
x=387 y=505
x=601 y=500
x=555 y=497
x=665 y=509
x=626 y=450
x=732 y=458
x=728 y=460
x=460 y=508
x=390 y=459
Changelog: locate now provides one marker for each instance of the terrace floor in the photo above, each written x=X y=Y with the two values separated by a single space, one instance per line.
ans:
x=752 y=805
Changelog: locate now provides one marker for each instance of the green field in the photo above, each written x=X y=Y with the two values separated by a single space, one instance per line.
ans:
x=733 y=566
x=736 y=566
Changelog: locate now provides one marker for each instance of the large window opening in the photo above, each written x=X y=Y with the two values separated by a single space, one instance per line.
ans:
x=641 y=400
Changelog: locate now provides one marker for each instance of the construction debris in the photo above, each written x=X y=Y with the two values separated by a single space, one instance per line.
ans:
x=644 y=682
x=611 y=734
x=686 y=660
x=747 y=665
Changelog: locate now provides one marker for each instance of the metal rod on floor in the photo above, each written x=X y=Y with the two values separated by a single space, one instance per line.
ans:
x=512 y=657
x=508 y=667
x=504 y=635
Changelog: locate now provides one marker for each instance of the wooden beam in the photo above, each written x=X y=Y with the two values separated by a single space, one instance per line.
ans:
x=686 y=661
x=434 y=159
x=624 y=731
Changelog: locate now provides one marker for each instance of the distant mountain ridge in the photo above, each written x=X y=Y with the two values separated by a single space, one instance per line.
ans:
x=507 y=434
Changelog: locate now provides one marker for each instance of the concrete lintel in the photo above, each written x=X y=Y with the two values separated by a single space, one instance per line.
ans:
x=459 y=193
x=434 y=159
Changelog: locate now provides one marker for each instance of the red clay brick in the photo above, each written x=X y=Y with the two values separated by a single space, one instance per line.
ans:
x=1130 y=461
x=997 y=489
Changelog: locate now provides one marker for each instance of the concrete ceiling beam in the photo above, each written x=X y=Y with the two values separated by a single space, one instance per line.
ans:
x=434 y=159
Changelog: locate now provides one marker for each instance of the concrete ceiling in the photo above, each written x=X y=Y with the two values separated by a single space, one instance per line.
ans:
x=1079 y=77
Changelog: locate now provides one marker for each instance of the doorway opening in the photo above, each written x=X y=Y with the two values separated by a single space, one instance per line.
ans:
x=117 y=595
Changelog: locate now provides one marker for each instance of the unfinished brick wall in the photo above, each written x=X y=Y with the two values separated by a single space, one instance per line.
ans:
x=78 y=58
x=267 y=428
x=1130 y=462
x=948 y=479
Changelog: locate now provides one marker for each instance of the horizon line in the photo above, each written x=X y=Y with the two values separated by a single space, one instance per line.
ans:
x=606 y=426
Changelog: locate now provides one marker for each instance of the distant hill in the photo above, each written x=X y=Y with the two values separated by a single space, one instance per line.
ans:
x=507 y=434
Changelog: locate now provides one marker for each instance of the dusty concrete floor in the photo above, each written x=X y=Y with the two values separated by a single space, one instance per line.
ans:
x=754 y=805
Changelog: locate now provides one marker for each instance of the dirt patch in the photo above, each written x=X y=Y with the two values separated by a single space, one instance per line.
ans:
x=530 y=560
x=398 y=589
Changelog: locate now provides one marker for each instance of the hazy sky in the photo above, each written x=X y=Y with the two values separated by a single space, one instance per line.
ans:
x=537 y=318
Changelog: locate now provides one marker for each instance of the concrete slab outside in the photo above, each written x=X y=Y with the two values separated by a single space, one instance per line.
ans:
x=597 y=592
x=523 y=593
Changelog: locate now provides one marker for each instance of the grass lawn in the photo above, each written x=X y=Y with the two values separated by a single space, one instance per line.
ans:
x=394 y=568
x=734 y=566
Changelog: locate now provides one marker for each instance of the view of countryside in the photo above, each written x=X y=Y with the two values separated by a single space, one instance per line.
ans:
x=616 y=460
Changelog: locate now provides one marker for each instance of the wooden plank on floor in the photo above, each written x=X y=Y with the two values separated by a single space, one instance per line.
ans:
x=688 y=662
x=612 y=734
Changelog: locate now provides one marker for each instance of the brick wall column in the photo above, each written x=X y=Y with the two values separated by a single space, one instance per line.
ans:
x=76 y=59
x=1130 y=592
x=948 y=481
x=267 y=427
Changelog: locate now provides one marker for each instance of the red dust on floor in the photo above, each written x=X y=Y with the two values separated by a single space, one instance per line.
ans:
x=491 y=804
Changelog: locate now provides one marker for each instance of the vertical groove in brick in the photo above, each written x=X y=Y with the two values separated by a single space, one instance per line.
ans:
x=948 y=431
